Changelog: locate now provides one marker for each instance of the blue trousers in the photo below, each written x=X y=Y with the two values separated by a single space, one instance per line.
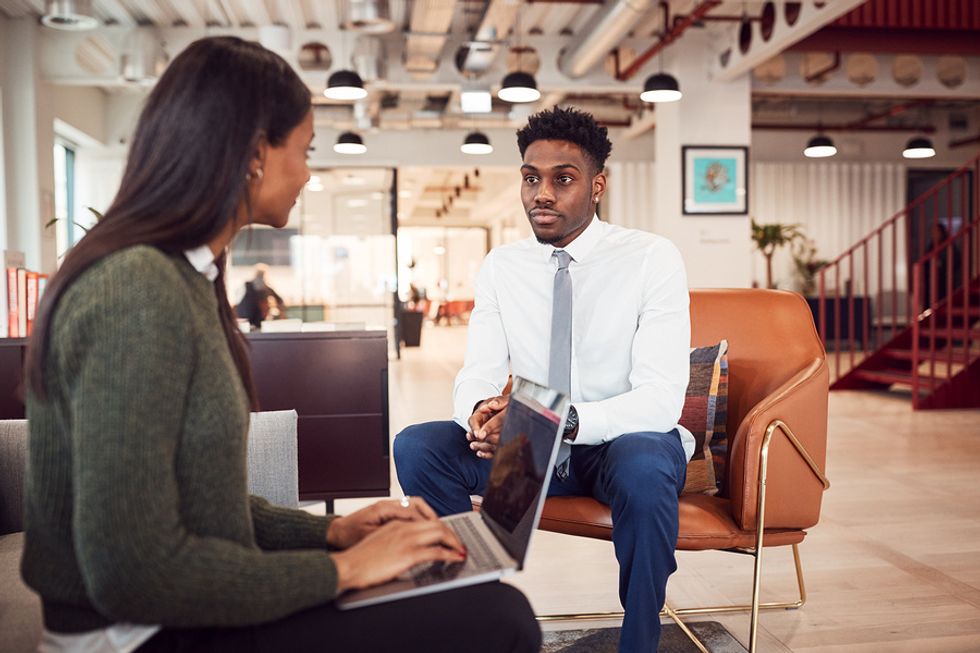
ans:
x=638 y=475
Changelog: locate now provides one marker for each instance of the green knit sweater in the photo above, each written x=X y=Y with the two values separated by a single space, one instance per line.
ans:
x=136 y=502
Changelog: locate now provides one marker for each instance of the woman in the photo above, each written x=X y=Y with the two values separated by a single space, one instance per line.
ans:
x=139 y=530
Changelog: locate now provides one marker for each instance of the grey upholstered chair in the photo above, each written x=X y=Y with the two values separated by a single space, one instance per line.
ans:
x=20 y=609
x=273 y=472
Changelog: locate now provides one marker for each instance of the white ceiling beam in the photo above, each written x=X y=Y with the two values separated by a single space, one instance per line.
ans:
x=188 y=13
x=289 y=13
x=812 y=17
x=153 y=12
x=323 y=13
x=231 y=18
x=256 y=12
x=115 y=10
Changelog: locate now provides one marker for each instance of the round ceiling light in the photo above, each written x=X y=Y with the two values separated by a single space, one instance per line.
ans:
x=519 y=86
x=661 y=87
x=349 y=143
x=820 y=147
x=919 y=148
x=69 y=15
x=476 y=143
x=345 y=85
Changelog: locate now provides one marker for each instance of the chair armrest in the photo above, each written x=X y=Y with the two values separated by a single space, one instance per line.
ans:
x=794 y=491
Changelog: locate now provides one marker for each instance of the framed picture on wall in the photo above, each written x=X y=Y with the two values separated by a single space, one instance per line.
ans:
x=715 y=180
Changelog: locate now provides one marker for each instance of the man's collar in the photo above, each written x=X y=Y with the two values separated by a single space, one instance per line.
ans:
x=584 y=243
x=202 y=260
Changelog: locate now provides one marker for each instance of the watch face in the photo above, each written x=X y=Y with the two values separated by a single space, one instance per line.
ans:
x=572 y=421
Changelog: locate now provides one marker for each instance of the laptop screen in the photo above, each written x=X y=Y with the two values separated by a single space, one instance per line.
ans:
x=522 y=465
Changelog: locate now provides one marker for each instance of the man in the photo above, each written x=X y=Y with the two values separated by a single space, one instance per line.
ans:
x=597 y=311
x=260 y=301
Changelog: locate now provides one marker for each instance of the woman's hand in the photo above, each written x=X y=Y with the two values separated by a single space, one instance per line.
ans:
x=393 y=548
x=350 y=529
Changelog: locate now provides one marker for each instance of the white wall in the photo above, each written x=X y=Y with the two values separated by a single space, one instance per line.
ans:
x=3 y=174
x=835 y=203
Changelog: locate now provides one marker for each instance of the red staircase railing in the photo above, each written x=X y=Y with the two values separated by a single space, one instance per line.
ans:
x=945 y=284
x=866 y=297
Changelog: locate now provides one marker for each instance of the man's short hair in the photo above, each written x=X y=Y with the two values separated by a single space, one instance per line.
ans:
x=569 y=125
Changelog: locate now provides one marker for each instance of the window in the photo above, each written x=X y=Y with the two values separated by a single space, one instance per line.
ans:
x=68 y=231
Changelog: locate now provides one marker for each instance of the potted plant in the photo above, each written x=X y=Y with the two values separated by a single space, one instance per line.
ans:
x=769 y=237
x=807 y=264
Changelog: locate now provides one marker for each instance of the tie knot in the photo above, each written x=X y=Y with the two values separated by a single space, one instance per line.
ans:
x=564 y=258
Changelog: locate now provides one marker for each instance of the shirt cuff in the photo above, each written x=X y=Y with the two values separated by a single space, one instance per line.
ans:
x=468 y=393
x=593 y=423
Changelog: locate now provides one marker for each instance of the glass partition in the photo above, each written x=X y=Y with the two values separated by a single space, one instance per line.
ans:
x=333 y=265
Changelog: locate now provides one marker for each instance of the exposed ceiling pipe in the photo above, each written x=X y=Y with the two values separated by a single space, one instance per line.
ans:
x=497 y=21
x=814 y=127
x=429 y=31
x=890 y=112
x=964 y=141
x=669 y=37
x=605 y=32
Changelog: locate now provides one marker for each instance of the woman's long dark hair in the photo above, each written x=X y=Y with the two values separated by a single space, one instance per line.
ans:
x=185 y=177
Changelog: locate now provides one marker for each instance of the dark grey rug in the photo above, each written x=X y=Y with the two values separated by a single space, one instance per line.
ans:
x=672 y=640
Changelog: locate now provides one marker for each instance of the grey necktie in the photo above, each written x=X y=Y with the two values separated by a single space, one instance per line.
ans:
x=560 y=363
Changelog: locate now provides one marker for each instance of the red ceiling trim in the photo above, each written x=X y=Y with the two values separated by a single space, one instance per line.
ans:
x=914 y=14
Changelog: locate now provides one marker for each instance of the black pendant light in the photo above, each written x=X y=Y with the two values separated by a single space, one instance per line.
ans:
x=919 y=147
x=349 y=143
x=661 y=87
x=820 y=147
x=519 y=86
x=476 y=143
x=345 y=85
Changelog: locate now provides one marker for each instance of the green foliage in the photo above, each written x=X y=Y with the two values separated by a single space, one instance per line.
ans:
x=769 y=237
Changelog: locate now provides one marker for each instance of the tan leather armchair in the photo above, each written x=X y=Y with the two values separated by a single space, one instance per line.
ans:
x=777 y=425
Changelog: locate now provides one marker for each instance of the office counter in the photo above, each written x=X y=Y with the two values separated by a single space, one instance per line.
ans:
x=336 y=380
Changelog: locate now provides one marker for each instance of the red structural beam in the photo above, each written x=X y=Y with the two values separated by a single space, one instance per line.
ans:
x=814 y=127
x=891 y=40
x=929 y=14
x=669 y=37
x=889 y=112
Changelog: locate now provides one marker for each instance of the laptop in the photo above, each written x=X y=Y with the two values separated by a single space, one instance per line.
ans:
x=498 y=536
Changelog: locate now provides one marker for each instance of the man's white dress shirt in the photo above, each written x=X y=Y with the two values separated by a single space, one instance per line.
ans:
x=631 y=330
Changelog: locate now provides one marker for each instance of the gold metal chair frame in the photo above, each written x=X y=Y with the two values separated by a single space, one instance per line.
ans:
x=676 y=614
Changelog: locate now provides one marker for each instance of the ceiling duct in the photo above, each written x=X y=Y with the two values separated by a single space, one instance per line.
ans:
x=497 y=21
x=368 y=58
x=143 y=58
x=427 y=36
x=367 y=16
x=70 y=15
x=604 y=33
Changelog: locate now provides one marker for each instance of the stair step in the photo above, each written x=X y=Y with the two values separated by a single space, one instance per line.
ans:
x=973 y=334
x=896 y=377
x=940 y=354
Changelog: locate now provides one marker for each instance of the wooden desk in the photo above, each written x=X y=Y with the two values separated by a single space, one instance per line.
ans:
x=336 y=381
x=12 y=352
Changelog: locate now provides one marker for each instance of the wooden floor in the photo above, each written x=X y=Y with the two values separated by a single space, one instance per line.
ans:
x=893 y=565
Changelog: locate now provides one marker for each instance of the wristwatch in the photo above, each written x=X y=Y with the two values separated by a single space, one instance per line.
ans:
x=571 y=423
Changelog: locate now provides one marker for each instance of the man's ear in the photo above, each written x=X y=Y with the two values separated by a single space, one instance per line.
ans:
x=598 y=186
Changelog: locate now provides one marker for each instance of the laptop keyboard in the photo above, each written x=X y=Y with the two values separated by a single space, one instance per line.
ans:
x=478 y=553
x=480 y=557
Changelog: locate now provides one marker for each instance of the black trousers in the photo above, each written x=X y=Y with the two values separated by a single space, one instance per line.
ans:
x=492 y=617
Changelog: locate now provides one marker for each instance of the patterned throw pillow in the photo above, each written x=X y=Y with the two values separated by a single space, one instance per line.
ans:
x=719 y=440
x=699 y=415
